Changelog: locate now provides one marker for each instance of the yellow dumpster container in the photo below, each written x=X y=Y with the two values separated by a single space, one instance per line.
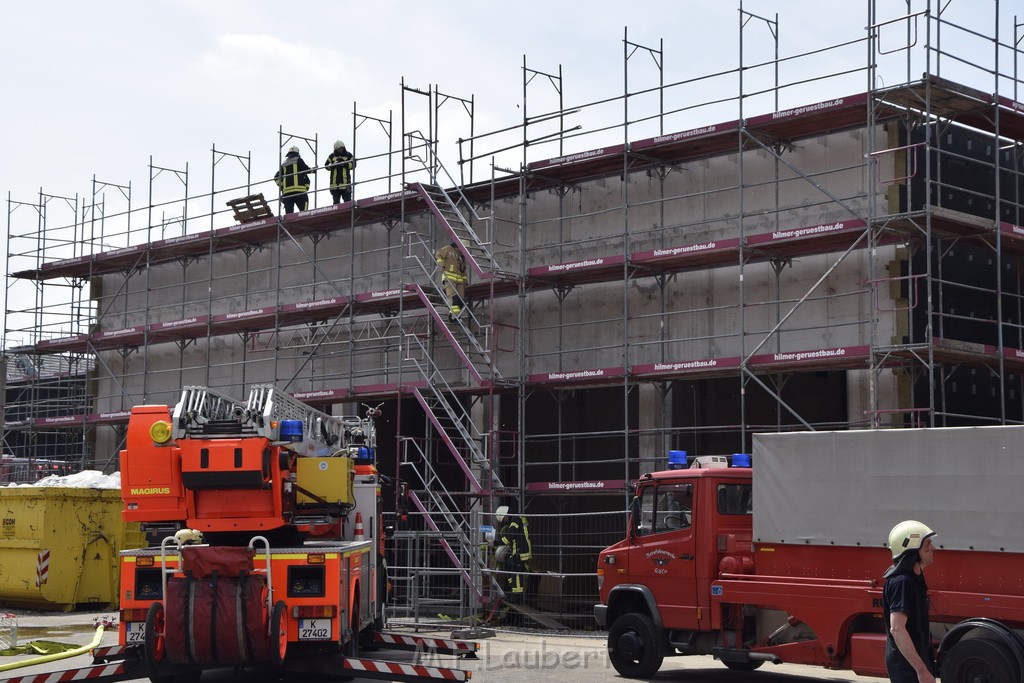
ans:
x=59 y=547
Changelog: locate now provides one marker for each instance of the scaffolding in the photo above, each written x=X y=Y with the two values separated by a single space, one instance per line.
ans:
x=776 y=246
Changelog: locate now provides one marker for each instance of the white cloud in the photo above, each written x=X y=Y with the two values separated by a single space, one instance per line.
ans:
x=277 y=62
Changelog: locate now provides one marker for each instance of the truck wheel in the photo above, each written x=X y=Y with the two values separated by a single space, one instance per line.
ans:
x=154 y=636
x=979 y=659
x=633 y=646
x=352 y=647
x=279 y=633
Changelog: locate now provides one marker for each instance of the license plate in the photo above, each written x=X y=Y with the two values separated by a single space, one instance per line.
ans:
x=314 y=629
x=134 y=631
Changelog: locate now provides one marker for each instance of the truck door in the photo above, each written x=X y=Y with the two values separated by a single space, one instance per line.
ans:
x=664 y=558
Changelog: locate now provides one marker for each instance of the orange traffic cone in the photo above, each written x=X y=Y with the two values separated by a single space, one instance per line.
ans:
x=359 y=534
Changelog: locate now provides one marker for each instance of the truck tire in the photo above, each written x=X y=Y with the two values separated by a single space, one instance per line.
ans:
x=154 y=651
x=279 y=633
x=154 y=636
x=352 y=646
x=633 y=646
x=979 y=659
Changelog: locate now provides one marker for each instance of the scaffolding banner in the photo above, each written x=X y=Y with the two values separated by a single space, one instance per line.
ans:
x=591 y=486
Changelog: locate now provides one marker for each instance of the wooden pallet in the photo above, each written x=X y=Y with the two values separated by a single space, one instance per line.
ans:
x=251 y=208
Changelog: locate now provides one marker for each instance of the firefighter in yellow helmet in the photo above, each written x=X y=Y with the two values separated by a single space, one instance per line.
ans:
x=514 y=552
x=453 y=277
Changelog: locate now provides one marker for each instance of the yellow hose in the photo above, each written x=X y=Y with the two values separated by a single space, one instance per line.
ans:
x=42 y=659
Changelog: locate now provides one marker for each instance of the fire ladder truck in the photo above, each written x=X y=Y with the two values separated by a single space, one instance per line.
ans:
x=273 y=553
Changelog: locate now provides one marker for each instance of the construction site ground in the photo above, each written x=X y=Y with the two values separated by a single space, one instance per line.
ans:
x=505 y=657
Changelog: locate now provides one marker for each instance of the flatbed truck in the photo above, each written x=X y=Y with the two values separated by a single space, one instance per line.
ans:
x=782 y=561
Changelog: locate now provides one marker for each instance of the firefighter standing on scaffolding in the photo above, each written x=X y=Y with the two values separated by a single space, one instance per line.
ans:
x=453 y=278
x=514 y=552
x=340 y=164
x=293 y=179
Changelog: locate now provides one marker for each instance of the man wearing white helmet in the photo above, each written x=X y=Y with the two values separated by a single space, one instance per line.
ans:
x=340 y=164
x=908 y=643
x=514 y=552
x=293 y=179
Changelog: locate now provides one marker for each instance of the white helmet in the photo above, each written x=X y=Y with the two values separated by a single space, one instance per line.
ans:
x=908 y=535
x=501 y=512
x=188 y=536
x=500 y=553
x=294 y=149
x=339 y=144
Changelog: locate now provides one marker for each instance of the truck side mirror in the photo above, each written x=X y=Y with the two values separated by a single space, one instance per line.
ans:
x=634 y=517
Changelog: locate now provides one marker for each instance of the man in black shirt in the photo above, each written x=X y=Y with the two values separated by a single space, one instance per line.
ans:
x=908 y=643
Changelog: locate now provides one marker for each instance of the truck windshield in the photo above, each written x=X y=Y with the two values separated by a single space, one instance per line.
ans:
x=665 y=508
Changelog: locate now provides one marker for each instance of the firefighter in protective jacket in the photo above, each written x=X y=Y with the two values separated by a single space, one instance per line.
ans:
x=514 y=552
x=453 y=277
x=293 y=179
x=340 y=164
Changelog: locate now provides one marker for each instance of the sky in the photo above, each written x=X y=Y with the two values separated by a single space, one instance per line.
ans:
x=101 y=90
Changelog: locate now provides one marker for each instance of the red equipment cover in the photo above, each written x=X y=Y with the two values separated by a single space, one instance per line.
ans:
x=217 y=620
x=202 y=562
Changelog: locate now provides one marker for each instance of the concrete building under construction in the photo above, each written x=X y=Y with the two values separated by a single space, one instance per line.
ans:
x=826 y=253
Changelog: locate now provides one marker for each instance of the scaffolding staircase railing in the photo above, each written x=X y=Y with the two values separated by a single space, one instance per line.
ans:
x=468 y=333
x=475 y=358
x=468 y=559
x=468 y=336
x=453 y=210
x=451 y=420
x=477 y=252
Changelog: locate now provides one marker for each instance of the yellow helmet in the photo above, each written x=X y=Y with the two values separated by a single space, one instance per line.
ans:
x=908 y=535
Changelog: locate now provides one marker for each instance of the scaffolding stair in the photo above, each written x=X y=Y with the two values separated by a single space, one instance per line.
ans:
x=467 y=557
x=454 y=425
x=461 y=332
x=468 y=335
x=451 y=420
x=459 y=228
